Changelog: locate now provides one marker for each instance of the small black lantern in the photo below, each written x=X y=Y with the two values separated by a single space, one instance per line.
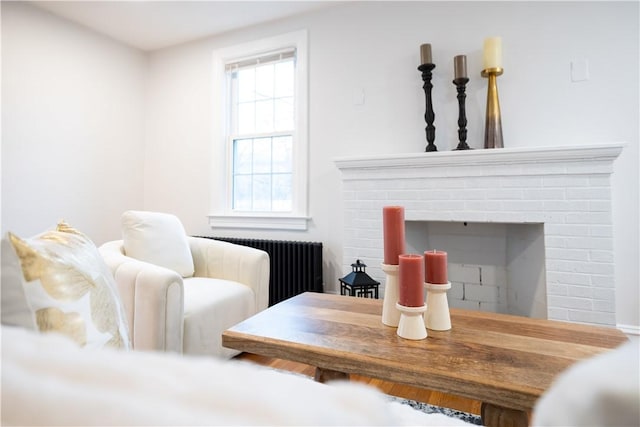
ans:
x=358 y=283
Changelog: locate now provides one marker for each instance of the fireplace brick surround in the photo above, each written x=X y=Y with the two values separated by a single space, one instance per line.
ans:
x=567 y=190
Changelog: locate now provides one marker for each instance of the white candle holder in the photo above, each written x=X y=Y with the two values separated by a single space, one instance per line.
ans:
x=437 y=317
x=411 y=325
x=390 y=313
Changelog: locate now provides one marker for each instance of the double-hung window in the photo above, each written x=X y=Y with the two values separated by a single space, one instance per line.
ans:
x=260 y=138
x=261 y=132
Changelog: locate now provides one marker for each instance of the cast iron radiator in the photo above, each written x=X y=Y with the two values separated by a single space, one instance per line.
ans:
x=296 y=267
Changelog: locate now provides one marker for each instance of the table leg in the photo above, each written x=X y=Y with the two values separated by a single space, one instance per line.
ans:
x=324 y=375
x=497 y=416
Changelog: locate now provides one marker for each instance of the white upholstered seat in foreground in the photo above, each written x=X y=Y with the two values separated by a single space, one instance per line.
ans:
x=48 y=380
x=168 y=312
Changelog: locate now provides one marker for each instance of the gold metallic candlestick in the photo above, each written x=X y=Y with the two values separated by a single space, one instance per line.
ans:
x=493 y=124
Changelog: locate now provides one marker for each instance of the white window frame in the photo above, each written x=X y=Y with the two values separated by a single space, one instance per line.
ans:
x=221 y=213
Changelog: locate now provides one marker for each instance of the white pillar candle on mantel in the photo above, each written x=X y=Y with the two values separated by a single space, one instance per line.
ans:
x=492 y=53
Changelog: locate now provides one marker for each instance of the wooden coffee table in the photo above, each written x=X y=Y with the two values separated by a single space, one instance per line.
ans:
x=504 y=361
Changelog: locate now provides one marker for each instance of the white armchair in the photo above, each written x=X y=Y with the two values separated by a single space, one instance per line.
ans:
x=169 y=312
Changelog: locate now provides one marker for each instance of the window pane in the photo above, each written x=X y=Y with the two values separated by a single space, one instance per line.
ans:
x=242 y=192
x=264 y=81
x=246 y=85
x=264 y=116
x=262 y=192
x=282 y=154
x=262 y=155
x=282 y=193
x=283 y=114
x=242 y=156
x=246 y=118
x=284 y=79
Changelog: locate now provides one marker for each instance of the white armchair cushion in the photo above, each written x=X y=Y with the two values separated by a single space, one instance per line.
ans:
x=157 y=238
x=210 y=307
x=228 y=261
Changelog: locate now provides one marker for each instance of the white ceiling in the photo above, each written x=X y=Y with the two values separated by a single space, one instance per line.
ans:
x=149 y=25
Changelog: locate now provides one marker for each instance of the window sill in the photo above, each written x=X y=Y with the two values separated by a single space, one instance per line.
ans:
x=262 y=222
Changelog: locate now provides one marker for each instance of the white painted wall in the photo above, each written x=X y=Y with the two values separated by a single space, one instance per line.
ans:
x=72 y=125
x=374 y=47
x=70 y=96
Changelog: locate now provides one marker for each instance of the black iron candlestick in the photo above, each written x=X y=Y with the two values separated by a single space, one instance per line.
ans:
x=461 y=83
x=429 y=116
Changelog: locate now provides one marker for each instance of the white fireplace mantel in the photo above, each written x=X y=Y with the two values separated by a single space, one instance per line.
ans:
x=502 y=161
x=565 y=189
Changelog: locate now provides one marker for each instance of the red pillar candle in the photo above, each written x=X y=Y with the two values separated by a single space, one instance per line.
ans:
x=435 y=267
x=393 y=233
x=411 y=280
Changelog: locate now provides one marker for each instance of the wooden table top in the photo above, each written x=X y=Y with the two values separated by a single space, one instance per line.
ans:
x=499 y=359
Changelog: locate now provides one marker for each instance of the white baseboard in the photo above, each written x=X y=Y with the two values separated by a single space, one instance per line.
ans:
x=629 y=329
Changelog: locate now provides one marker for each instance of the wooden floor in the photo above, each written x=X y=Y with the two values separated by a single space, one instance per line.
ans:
x=400 y=390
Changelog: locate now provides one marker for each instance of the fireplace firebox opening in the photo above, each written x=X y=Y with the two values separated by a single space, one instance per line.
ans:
x=496 y=267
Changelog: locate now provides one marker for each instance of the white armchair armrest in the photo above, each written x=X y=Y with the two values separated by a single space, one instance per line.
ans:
x=153 y=299
x=223 y=260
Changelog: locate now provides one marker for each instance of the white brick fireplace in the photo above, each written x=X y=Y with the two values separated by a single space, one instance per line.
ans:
x=528 y=230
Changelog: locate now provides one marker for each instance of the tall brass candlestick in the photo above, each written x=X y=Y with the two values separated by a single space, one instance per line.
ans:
x=429 y=116
x=493 y=123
